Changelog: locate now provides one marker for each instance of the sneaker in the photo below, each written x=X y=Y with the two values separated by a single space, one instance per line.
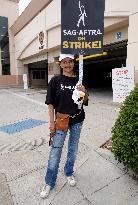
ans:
x=71 y=180
x=45 y=191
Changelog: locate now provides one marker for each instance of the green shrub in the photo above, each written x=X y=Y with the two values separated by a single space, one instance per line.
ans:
x=125 y=132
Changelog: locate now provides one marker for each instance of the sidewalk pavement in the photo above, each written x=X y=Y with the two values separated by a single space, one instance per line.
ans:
x=24 y=151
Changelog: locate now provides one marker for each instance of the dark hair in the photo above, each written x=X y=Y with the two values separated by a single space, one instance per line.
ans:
x=76 y=68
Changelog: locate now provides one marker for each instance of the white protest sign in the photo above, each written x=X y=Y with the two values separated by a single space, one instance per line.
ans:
x=122 y=83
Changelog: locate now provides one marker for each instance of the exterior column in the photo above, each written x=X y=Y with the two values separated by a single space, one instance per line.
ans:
x=12 y=54
x=19 y=72
x=53 y=69
x=132 y=48
x=56 y=66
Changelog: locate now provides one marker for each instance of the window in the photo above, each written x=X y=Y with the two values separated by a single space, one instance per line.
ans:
x=39 y=74
x=4 y=46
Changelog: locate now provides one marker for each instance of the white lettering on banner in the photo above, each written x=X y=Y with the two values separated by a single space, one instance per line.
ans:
x=82 y=32
x=122 y=83
x=82 y=14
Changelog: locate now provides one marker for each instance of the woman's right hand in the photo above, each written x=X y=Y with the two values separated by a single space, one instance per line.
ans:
x=52 y=127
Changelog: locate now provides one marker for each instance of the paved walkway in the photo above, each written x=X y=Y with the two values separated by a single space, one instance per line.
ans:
x=101 y=180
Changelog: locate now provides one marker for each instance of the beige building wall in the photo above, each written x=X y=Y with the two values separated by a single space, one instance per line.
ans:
x=129 y=10
x=118 y=15
x=26 y=41
x=53 y=14
x=26 y=37
x=54 y=37
x=132 y=49
x=26 y=45
x=9 y=9
x=110 y=37
x=120 y=7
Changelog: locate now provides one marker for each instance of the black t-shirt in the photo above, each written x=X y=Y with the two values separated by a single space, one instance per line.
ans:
x=59 y=94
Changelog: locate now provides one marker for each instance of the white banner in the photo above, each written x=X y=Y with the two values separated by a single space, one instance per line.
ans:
x=122 y=83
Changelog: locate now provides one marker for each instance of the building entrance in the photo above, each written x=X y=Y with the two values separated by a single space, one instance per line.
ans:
x=98 y=70
x=38 y=74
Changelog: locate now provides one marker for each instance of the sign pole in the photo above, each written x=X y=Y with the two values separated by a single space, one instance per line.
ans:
x=80 y=68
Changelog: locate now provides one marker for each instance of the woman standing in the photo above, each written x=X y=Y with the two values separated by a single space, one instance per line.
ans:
x=59 y=100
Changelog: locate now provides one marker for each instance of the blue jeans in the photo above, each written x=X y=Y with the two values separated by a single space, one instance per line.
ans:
x=56 y=150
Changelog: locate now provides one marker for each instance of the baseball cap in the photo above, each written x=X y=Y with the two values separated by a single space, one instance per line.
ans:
x=62 y=56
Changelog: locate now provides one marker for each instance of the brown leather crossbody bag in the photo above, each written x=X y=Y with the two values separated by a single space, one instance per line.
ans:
x=62 y=121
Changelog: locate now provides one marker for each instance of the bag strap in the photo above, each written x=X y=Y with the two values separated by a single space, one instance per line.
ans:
x=75 y=115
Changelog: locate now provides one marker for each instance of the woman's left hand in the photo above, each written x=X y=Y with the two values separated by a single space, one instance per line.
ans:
x=81 y=88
